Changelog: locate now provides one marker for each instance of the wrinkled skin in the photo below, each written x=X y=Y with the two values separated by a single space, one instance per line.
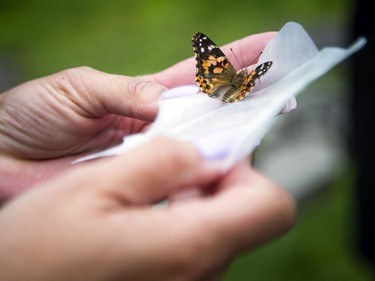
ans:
x=97 y=220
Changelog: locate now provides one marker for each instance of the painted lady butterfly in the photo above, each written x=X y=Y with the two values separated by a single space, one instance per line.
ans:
x=217 y=77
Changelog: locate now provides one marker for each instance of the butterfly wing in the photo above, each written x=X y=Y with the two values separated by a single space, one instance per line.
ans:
x=213 y=69
x=248 y=83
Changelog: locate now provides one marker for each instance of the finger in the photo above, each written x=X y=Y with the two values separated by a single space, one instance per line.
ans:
x=228 y=180
x=246 y=50
x=249 y=212
x=99 y=93
x=153 y=171
x=242 y=172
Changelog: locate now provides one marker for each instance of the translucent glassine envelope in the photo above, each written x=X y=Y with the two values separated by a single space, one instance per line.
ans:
x=229 y=132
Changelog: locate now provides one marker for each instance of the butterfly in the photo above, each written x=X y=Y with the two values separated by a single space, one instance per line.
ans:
x=217 y=77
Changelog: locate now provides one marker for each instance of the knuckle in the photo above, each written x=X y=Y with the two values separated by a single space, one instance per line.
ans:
x=76 y=71
x=136 y=86
x=73 y=79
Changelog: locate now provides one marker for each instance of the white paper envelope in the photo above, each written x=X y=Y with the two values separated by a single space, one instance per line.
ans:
x=230 y=132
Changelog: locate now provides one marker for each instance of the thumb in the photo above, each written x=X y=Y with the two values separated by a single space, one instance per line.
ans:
x=153 y=171
x=100 y=93
x=249 y=210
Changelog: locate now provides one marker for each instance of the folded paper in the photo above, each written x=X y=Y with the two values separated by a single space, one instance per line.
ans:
x=229 y=132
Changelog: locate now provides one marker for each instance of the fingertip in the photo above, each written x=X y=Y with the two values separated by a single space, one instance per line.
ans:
x=270 y=201
x=278 y=198
x=245 y=215
x=156 y=170
x=248 y=49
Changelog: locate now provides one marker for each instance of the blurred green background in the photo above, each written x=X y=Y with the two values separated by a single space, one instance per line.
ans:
x=136 y=37
x=40 y=37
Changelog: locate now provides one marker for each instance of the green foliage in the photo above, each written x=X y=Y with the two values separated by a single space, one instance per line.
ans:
x=136 y=37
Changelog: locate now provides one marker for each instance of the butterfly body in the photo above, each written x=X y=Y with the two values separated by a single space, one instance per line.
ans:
x=217 y=77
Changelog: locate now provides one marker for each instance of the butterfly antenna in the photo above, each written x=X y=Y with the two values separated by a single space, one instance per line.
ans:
x=242 y=67
x=256 y=58
x=236 y=58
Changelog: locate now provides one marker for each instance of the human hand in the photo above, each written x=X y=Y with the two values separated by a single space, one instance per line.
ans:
x=48 y=122
x=80 y=227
